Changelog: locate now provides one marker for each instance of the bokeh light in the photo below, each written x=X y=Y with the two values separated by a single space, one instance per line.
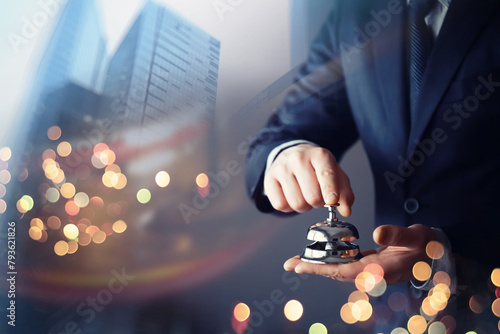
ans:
x=437 y=327
x=427 y=308
x=54 y=132
x=71 y=231
x=450 y=323
x=495 y=276
x=495 y=307
x=417 y=324
x=54 y=223
x=143 y=196
x=3 y=190
x=68 y=190
x=5 y=176
x=35 y=233
x=350 y=313
x=97 y=202
x=376 y=270
x=357 y=295
x=72 y=247
x=91 y=230
x=3 y=206
x=434 y=250
x=82 y=199
x=49 y=154
x=379 y=288
x=202 y=180
x=318 y=328
x=5 y=153
x=107 y=157
x=37 y=222
x=23 y=175
x=162 y=179
x=84 y=239
x=64 y=149
x=441 y=277
x=241 y=312
x=71 y=208
x=61 y=248
x=293 y=310
x=478 y=303
x=99 y=237
x=119 y=181
x=399 y=330
x=365 y=281
x=422 y=271
x=365 y=309
x=119 y=226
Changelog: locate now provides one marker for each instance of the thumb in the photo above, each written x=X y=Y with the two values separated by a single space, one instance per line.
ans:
x=392 y=235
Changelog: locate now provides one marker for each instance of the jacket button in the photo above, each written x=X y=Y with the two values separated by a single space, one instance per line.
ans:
x=411 y=205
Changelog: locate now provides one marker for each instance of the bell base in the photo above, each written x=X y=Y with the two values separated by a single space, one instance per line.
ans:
x=331 y=253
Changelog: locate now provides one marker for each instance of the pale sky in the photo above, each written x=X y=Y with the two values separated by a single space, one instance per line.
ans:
x=254 y=36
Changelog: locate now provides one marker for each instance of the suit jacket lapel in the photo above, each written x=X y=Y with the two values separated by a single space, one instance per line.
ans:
x=464 y=21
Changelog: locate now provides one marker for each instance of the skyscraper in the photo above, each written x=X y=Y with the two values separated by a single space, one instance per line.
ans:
x=165 y=66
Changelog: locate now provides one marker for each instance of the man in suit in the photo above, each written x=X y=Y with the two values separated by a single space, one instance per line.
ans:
x=418 y=82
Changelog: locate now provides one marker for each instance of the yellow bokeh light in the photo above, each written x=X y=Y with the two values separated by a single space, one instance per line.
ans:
x=64 y=149
x=5 y=176
x=37 y=222
x=427 y=307
x=71 y=231
x=3 y=206
x=495 y=307
x=365 y=281
x=202 y=180
x=68 y=190
x=28 y=200
x=422 y=271
x=143 y=196
x=72 y=247
x=82 y=199
x=35 y=233
x=318 y=328
x=417 y=325
x=434 y=250
x=365 y=308
x=119 y=226
x=99 y=237
x=113 y=168
x=162 y=179
x=5 y=153
x=59 y=177
x=54 y=223
x=293 y=310
x=437 y=327
x=350 y=313
x=119 y=181
x=241 y=312
x=357 y=295
x=495 y=276
x=54 y=132
x=61 y=248
x=107 y=179
x=107 y=157
x=438 y=300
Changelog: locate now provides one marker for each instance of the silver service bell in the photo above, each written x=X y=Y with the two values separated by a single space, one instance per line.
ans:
x=332 y=241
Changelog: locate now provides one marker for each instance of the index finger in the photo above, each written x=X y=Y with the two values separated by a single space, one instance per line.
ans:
x=324 y=164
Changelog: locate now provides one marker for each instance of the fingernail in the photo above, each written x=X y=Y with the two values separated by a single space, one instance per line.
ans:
x=331 y=198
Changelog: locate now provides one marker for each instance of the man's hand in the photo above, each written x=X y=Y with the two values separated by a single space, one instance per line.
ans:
x=304 y=177
x=402 y=247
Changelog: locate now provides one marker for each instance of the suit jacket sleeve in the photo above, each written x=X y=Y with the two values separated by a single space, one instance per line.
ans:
x=316 y=109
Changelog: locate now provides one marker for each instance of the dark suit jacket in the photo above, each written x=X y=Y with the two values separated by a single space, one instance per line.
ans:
x=443 y=169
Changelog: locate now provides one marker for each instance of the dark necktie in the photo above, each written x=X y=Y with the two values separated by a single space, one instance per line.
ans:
x=421 y=46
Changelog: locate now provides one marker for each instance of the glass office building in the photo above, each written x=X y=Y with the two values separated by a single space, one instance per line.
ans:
x=165 y=66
